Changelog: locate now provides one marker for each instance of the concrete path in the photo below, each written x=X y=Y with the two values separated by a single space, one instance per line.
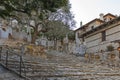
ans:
x=7 y=75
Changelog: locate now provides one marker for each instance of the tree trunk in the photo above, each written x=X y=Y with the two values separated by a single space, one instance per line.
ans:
x=55 y=44
x=34 y=36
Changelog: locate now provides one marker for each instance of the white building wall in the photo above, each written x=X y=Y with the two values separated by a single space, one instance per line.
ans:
x=94 y=43
x=113 y=30
x=5 y=34
x=95 y=24
x=113 y=37
x=89 y=27
x=94 y=37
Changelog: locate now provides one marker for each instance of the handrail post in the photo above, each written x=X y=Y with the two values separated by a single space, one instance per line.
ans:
x=20 y=65
x=0 y=52
x=6 y=59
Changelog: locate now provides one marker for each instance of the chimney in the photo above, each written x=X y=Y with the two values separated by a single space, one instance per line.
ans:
x=81 y=24
x=116 y=15
x=101 y=16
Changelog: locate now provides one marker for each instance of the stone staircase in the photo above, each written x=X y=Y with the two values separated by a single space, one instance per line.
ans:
x=8 y=75
x=58 y=66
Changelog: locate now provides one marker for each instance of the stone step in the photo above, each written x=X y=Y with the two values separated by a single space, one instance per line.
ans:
x=58 y=68
x=62 y=78
x=74 y=74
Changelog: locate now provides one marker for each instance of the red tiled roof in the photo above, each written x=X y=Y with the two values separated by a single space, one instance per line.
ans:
x=110 y=15
x=89 y=23
x=95 y=20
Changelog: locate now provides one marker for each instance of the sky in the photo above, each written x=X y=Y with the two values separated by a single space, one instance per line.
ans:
x=87 y=10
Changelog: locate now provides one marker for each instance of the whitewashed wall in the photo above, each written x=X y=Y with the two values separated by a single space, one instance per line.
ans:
x=5 y=34
x=19 y=35
x=95 y=24
x=94 y=43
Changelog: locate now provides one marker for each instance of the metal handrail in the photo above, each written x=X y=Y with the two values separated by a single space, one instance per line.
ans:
x=6 y=58
x=0 y=52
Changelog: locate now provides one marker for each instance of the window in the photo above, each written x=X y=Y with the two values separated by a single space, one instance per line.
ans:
x=92 y=27
x=103 y=36
x=110 y=18
x=84 y=29
x=105 y=19
x=78 y=34
x=83 y=39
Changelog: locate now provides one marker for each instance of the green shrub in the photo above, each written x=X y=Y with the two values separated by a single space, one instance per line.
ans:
x=110 y=48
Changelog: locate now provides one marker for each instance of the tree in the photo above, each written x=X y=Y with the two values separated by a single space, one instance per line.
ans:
x=37 y=10
x=26 y=6
x=64 y=15
x=57 y=30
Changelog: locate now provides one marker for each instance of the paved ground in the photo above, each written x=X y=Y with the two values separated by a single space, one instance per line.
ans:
x=61 y=66
x=67 y=66
x=7 y=75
